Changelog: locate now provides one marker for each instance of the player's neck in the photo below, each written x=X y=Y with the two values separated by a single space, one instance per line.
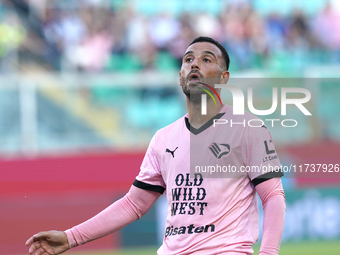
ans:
x=196 y=119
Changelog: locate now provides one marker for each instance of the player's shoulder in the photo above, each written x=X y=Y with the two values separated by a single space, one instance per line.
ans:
x=248 y=118
x=172 y=128
x=251 y=123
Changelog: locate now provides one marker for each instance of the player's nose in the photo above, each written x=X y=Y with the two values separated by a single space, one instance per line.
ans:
x=195 y=65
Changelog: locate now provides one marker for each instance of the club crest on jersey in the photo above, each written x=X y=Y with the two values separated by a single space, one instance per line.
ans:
x=219 y=150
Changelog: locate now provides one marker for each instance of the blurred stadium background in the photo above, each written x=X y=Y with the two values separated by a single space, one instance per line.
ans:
x=85 y=84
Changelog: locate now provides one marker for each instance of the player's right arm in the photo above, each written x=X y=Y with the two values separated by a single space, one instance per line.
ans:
x=118 y=215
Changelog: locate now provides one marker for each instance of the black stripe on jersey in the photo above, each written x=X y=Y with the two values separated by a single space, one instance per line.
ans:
x=213 y=151
x=266 y=177
x=146 y=186
x=205 y=126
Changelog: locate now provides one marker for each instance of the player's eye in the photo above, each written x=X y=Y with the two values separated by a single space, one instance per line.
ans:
x=206 y=60
x=188 y=60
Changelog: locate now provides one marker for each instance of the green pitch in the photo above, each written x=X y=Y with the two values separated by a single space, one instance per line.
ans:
x=301 y=248
x=308 y=248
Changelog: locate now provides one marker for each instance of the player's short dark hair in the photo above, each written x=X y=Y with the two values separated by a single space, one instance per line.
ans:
x=222 y=49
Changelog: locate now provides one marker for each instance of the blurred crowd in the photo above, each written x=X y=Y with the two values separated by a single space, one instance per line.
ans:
x=96 y=38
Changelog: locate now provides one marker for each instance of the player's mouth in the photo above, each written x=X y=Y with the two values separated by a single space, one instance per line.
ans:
x=194 y=77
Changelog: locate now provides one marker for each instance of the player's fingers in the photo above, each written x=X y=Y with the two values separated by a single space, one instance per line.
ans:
x=29 y=241
x=34 y=247
x=40 y=251
x=47 y=249
x=37 y=237
x=40 y=235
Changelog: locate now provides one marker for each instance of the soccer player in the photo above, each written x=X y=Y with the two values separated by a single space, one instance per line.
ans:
x=210 y=211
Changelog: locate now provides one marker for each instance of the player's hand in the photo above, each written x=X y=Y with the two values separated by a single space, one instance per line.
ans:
x=48 y=243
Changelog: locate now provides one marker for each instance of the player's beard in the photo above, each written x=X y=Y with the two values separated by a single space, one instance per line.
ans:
x=192 y=92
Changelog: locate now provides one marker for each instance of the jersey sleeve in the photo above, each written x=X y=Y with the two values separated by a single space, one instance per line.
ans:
x=259 y=155
x=150 y=176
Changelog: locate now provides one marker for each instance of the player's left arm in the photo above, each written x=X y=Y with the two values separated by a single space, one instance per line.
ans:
x=274 y=207
x=259 y=151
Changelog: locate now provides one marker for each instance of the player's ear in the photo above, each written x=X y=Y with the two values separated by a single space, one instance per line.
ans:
x=179 y=79
x=225 y=77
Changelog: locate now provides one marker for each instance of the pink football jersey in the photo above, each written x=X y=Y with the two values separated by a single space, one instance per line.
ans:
x=210 y=175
